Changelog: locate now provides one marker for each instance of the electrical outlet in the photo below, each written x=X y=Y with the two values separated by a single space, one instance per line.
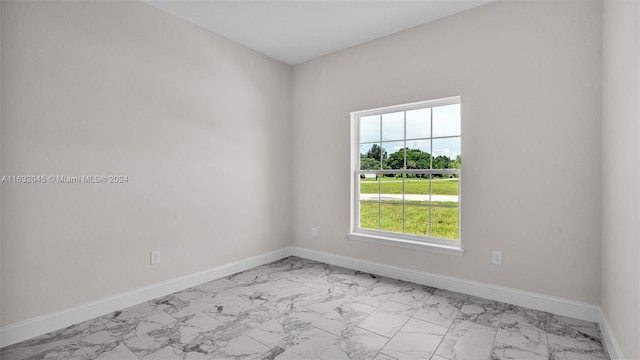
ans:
x=496 y=257
x=314 y=232
x=155 y=257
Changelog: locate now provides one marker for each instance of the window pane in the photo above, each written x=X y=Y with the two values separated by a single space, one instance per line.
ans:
x=444 y=191
x=419 y=123
x=369 y=214
x=411 y=139
x=446 y=120
x=391 y=188
x=393 y=126
x=391 y=217
x=370 y=128
x=369 y=197
x=369 y=186
x=370 y=157
x=444 y=222
x=418 y=154
x=416 y=189
x=416 y=220
x=445 y=153
x=394 y=151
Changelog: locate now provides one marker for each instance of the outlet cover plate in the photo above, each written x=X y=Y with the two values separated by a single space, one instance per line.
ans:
x=496 y=257
x=155 y=257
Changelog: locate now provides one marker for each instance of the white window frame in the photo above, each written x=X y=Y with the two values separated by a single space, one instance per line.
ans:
x=438 y=245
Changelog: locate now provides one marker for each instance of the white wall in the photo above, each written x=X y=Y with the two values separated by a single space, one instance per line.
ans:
x=1 y=219
x=621 y=173
x=203 y=129
x=198 y=123
x=529 y=74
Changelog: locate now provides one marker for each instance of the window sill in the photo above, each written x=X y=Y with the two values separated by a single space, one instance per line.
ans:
x=410 y=244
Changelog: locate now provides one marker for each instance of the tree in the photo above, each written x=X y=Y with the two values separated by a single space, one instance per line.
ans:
x=441 y=162
x=416 y=159
x=457 y=164
x=396 y=160
x=377 y=153
x=367 y=163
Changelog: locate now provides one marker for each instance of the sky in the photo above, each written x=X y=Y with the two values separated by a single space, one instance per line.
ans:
x=446 y=122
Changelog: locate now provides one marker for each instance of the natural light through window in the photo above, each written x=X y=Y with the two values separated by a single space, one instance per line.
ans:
x=406 y=167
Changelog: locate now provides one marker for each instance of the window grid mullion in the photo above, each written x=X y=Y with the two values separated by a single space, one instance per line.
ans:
x=431 y=167
x=411 y=171
x=404 y=172
x=405 y=166
x=422 y=138
x=379 y=178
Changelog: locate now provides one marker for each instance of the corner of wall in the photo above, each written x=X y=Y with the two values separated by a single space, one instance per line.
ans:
x=620 y=194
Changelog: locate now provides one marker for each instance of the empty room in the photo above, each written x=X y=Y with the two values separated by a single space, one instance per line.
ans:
x=388 y=180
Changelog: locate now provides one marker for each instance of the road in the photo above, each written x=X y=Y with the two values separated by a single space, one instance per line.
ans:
x=410 y=197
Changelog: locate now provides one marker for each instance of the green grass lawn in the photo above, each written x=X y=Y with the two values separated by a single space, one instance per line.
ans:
x=444 y=221
x=412 y=186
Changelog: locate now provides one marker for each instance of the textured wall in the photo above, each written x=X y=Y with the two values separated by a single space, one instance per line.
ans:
x=529 y=74
x=621 y=173
x=199 y=124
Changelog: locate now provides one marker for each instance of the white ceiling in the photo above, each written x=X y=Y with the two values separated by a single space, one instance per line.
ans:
x=296 y=31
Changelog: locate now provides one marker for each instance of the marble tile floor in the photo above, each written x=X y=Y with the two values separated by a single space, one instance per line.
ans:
x=301 y=309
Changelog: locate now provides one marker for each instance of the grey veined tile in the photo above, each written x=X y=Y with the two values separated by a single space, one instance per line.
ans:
x=439 y=309
x=121 y=352
x=61 y=349
x=388 y=319
x=524 y=317
x=508 y=352
x=417 y=339
x=147 y=344
x=225 y=306
x=482 y=311
x=193 y=334
x=382 y=356
x=574 y=354
x=139 y=325
x=566 y=326
x=411 y=294
x=355 y=344
x=307 y=343
x=438 y=357
x=260 y=274
x=525 y=338
x=300 y=309
x=215 y=285
x=239 y=347
x=467 y=341
x=275 y=290
x=106 y=340
x=59 y=344
x=575 y=346
x=455 y=298
x=271 y=332
x=570 y=338
x=173 y=353
x=343 y=317
x=521 y=334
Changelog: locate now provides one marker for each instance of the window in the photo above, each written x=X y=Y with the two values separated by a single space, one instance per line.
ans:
x=406 y=167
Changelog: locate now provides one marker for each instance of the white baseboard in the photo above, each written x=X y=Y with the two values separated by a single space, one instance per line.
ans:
x=27 y=329
x=556 y=305
x=609 y=339
x=532 y=300
x=41 y=325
